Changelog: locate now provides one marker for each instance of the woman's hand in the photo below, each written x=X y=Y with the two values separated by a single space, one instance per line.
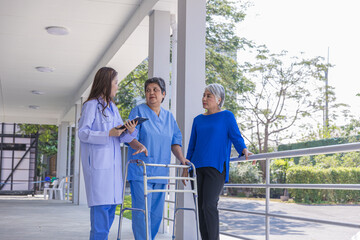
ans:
x=116 y=132
x=185 y=173
x=130 y=126
x=247 y=153
x=141 y=148
x=184 y=161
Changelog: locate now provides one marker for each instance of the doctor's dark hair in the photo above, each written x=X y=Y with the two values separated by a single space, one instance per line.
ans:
x=218 y=91
x=159 y=81
x=101 y=86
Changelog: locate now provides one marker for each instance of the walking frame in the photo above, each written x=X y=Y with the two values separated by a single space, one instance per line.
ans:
x=176 y=190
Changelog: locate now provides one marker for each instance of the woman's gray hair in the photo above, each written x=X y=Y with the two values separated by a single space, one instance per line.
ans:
x=218 y=91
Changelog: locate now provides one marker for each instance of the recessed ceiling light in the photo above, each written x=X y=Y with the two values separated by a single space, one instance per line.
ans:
x=34 y=107
x=56 y=30
x=45 y=69
x=36 y=92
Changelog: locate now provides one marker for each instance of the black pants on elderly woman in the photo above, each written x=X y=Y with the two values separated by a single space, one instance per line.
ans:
x=210 y=184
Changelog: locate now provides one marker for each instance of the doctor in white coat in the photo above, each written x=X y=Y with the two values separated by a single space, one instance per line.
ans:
x=101 y=153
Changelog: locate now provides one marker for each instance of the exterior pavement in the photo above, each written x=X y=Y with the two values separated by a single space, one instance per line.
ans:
x=33 y=218
x=253 y=226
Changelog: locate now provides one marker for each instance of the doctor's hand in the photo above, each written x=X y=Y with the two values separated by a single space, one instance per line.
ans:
x=247 y=153
x=116 y=132
x=130 y=126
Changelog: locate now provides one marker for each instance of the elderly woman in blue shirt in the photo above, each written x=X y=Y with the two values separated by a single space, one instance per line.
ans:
x=161 y=136
x=209 y=150
x=101 y=153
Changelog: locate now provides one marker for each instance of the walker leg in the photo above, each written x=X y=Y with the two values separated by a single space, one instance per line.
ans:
x=122 y=204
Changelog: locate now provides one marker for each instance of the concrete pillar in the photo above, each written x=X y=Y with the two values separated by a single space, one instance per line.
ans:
x=190 y=87
x=159 y=59
x=159 y=48
x=79 y=194
x=68 y=170
x=62 y=150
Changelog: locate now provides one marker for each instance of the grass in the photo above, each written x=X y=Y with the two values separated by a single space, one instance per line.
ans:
x=127 y=204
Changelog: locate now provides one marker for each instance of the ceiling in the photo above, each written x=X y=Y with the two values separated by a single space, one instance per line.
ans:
x=101 y=33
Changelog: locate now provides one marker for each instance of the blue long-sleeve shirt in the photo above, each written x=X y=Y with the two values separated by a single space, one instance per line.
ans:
x=211 y=138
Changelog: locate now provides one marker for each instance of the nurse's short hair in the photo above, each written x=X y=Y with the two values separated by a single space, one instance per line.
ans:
x=159 y=81
x=218 y=91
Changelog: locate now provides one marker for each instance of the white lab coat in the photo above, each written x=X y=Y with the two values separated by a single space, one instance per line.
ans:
x=101 y=154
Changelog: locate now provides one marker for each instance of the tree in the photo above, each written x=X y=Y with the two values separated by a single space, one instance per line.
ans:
x=282 y=94
x=222 y=45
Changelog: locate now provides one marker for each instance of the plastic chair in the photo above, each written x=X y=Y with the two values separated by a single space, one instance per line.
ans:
x=50 y=189
x=59 y=191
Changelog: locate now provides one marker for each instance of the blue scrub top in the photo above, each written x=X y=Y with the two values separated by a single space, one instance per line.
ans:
x=157 y=135
x=101 y=154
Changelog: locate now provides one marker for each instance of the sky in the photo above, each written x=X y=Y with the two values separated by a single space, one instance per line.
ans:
x=313 y=27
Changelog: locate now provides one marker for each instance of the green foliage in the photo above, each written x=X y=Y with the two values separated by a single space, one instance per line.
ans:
x=47 y=143
x=127 y=204
x=332 y=135
x=278 y=168
x=351 y=160
x=131 y=89
x=244 y=172
x=221 y=19
x=222 y=45
x=311 y=175
x=47 y=137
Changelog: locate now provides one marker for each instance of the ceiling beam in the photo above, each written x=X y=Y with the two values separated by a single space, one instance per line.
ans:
x=141 y=12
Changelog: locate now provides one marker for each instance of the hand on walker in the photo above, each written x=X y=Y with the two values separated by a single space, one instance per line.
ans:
x=247 y=153
x=185 y=173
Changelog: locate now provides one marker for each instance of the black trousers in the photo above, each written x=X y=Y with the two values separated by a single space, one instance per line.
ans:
x=210 y=184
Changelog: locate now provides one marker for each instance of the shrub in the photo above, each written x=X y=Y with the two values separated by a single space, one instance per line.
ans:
x=245 y=172
x=311 y=175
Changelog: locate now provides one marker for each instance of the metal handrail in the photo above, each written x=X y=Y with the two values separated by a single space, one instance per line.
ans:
x=349 y=147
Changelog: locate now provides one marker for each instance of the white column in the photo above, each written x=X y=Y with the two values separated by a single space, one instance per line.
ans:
x=159 y=59
x=61 y=159
x=79 y=194
x=172 y=96
x=69 y=150
x=190 y=87
x=159 y=48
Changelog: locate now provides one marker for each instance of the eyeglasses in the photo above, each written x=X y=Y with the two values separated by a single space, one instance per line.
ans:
x=149 y=90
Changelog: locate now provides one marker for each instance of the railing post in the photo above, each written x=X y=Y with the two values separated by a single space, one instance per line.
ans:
x=267 y=218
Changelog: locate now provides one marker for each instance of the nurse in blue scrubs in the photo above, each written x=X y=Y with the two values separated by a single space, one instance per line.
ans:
x=101 y=153
x=161 y=136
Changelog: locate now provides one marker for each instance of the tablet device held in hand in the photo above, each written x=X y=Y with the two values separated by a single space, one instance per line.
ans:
x=139 y=120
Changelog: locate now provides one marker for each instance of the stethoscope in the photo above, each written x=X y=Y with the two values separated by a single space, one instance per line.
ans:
x=104 y=116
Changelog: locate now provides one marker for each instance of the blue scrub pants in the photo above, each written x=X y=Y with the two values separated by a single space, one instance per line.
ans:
x=155 y=207
x=101 y=218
